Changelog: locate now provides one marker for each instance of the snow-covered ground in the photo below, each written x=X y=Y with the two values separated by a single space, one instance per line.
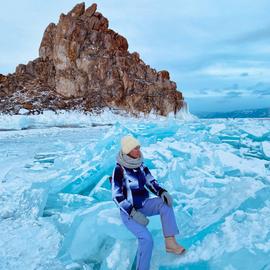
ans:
x=55 y=200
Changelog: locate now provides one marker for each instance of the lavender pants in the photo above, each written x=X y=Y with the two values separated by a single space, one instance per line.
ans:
x=151 y=207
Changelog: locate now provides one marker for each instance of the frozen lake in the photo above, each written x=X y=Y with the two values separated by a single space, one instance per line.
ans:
x=55 y=199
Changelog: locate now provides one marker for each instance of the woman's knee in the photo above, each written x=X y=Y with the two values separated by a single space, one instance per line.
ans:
x=165 y=208
x=161 y=204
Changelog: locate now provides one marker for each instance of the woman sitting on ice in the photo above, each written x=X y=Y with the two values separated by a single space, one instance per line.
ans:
x=130 y=177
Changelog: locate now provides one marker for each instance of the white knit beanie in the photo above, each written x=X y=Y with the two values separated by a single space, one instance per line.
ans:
x=128 y=143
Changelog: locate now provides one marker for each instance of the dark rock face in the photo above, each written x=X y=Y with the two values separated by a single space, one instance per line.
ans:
x=84 y=65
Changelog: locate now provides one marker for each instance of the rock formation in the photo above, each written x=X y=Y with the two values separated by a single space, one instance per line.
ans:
x=85 y=65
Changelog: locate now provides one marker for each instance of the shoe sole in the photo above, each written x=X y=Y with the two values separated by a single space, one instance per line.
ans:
x=173 y=251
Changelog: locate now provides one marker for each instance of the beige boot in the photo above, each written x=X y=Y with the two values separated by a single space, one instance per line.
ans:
x=172 y=246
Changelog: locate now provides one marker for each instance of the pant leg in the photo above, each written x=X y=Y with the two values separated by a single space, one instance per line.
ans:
x=155 y=206
x=145 y=241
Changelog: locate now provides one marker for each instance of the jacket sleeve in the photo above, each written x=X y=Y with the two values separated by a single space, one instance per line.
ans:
x=152 y=183
x=117 y=191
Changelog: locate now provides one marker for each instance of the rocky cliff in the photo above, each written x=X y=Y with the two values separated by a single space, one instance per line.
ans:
x=85 y=65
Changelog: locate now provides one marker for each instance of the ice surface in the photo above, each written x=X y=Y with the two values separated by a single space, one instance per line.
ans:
x=55 y=199
x=266 y=149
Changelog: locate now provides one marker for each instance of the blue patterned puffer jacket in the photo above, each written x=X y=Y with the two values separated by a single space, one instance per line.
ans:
x=130 y=187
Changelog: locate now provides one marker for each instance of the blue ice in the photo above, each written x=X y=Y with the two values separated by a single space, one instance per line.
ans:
x=55 y=199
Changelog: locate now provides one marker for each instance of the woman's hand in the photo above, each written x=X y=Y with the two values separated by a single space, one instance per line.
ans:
x=167 y=198
x=139 y=217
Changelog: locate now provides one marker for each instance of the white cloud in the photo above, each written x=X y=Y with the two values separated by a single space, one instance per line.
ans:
x=224 y=70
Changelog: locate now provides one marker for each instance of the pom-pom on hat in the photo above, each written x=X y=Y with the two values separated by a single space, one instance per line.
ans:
x=128 y=143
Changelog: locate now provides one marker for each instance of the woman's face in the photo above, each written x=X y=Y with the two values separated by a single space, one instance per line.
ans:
x=135 y=153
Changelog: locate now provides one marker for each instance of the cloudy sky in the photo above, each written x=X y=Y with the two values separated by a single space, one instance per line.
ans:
x=218 y=52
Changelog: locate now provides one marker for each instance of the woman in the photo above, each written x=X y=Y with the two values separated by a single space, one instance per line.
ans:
x=129 y=182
